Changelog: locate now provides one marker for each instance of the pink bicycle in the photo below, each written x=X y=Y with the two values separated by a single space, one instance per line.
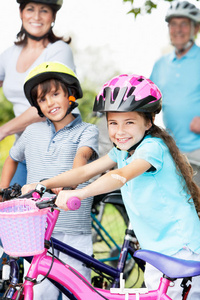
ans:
x=36 y=221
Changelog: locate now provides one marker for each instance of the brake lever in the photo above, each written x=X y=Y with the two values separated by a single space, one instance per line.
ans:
x=47 y=203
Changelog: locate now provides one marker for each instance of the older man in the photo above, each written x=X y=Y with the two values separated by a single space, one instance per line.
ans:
x=178 y=77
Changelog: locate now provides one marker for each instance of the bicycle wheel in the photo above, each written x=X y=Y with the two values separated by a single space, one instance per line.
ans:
x=108 y=239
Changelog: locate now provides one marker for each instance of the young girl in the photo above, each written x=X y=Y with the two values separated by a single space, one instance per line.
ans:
x=154 y=177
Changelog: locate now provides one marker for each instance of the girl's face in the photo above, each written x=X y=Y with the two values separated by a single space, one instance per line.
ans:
x=126 y=128
x=37 y=18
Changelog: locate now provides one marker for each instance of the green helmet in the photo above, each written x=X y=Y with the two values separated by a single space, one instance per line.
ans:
x=51 y=70
x=56 y=4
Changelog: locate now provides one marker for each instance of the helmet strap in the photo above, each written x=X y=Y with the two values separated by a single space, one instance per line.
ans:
x=187 y=46
x=35 y=38
x=132 y=147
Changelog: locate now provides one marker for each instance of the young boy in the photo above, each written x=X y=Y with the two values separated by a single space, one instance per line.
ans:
x=60 y=143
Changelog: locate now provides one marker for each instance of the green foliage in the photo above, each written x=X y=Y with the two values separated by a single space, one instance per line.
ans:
x=5 y=146
x=86 y=106
x=145 y=6
x=6 y=109
x=6 y=114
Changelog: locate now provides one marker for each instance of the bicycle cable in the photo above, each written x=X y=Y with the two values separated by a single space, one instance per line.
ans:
x=88 y=284
x=110 y=279
x=52 y=246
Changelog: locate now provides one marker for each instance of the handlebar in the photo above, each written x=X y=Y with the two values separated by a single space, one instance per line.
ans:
x=73 y=203
x=10 y=192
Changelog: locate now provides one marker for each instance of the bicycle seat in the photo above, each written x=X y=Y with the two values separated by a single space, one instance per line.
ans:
x=170 y=266
x=114 y=198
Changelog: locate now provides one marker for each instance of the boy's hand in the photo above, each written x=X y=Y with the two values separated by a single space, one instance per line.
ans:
x=56 y=190
x=28 y=187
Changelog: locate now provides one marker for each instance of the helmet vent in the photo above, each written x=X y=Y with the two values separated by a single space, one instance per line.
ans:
x=104 y=93
x=115 y=92
x=130 y=92
x=140 y=79
x=186 y=5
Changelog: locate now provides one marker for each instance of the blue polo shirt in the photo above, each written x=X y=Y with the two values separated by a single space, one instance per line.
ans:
x=179 y=82
x=49 y=153
x=158 y=207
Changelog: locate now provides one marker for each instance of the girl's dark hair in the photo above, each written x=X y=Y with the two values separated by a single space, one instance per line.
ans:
x=52 y=38
x=183 y=166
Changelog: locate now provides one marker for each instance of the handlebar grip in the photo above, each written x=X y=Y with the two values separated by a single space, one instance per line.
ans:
x=36 y=195
x=73 y=203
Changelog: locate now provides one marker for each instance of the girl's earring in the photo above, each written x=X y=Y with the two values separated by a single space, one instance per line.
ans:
x=52 y=24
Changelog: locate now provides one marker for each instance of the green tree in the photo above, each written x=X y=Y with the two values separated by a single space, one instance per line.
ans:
x=86 y=105
x=145 y=6
x=6 y=109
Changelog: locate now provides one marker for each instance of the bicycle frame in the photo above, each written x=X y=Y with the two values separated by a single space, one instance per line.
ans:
x=81 y=289
x=78 y=285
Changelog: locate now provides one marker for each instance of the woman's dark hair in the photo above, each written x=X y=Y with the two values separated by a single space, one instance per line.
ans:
x=183 y=166
x=52 y=38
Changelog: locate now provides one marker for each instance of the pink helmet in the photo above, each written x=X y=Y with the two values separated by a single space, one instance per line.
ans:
x=128 y=93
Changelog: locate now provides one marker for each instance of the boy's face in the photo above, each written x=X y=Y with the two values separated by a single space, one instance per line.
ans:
x=126 y=128
x=54 y=104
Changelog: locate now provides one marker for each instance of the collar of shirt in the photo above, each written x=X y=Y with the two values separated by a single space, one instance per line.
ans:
x=76 y=121
x=191 y=53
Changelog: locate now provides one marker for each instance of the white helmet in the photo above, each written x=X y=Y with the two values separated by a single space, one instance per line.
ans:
x=183 y=9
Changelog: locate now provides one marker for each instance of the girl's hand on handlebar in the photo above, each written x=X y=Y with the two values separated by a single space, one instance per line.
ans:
x=28 y=187
x=64 y=196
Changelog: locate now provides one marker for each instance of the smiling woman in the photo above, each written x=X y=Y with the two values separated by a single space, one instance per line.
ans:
x=37 y=19
x=35 y=44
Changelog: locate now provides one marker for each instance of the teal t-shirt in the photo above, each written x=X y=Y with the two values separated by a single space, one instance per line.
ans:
x=162 y=216
x=179 y=82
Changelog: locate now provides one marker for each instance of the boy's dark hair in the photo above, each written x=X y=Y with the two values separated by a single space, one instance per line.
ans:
x=46 y=87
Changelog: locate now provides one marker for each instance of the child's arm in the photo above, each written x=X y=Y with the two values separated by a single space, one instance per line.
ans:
x=76 y=176
x=82 y=156
x=109 y=182
x=18 y=124
x=8 y=172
